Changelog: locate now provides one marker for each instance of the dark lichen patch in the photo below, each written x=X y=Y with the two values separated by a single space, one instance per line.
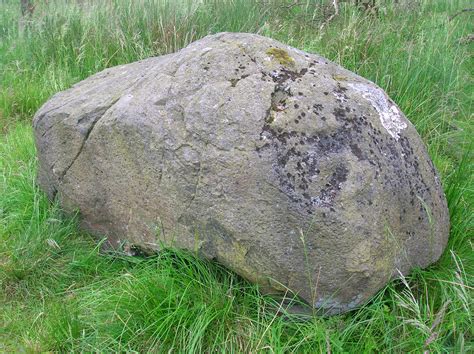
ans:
x=339 y=113
x=357 y=152
x=317 y=107
x=298 y=157
x=281 y=56
x=339 y=92
x=340 y=88
x=297 y=164
x=281 y=93
x=283 y=75
x=398 y=171
x=233 y=82
x=329 y=193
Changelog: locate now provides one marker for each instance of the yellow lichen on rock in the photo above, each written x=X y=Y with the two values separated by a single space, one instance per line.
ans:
x=340 y=77
x=281 y=56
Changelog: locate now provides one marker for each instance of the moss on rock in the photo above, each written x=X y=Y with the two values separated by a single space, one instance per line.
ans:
x=281 y=56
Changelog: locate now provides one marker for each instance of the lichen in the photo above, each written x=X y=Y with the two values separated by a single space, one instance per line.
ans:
x=281 y=56
x=390 y=116
x=340 y=77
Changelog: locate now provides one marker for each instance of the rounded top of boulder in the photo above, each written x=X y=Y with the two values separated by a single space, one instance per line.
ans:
x=287 y=168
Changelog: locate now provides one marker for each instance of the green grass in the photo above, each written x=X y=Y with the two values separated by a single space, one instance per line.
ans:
x=58 y=292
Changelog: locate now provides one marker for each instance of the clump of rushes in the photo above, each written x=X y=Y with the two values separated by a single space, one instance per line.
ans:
x=59 y=293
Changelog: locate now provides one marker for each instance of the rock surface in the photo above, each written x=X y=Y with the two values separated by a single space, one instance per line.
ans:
x=283 y=166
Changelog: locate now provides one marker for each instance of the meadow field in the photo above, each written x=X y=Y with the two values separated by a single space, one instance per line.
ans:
x=59 y=292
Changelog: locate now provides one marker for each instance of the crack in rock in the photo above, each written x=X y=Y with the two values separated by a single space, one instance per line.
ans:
x=99 y=116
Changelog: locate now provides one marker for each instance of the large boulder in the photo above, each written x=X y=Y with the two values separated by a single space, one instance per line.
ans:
x=283 y=166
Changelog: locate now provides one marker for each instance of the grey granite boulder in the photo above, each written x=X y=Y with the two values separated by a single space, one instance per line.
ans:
x=286 y=168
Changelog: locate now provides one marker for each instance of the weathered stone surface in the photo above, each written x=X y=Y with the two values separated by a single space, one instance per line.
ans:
x=283 y=166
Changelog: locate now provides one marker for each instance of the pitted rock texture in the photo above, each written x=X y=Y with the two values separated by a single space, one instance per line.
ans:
x=288 y=169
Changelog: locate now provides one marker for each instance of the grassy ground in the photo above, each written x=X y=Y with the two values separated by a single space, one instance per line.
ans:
x=59 y=293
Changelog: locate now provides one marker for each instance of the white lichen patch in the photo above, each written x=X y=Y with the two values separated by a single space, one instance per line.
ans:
x=390 y=116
